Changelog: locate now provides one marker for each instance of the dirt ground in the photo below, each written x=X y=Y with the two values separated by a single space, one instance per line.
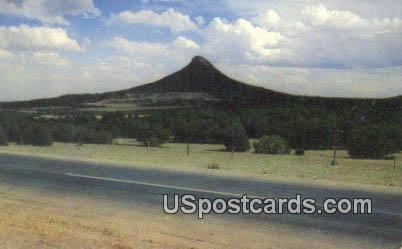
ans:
x=39 y=216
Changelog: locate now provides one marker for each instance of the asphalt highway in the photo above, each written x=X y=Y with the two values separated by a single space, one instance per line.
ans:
x=147 y=186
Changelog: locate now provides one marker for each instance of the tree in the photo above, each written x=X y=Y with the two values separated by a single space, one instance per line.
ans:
x=136 y=126
x=298 y=132
x=3 y=137
x=65 y=133
x=271 y=145
x=114 y=122
x=102 y=137
x=370 y=142
x=42 y=136
x=154 y=136
x=90 y=136
x=235 y=138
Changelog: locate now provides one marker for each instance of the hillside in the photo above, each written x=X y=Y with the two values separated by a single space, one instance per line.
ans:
x=198 y=82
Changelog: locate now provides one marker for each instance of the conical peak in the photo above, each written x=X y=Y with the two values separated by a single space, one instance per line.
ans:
x=201 y=60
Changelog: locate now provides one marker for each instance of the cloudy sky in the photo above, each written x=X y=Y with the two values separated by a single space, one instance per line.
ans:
x=328 y=48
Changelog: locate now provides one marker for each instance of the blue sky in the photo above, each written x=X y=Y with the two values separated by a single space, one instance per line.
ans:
x=328 y=48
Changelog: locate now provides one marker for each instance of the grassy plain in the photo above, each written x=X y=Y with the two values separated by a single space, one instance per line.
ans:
x=314 y=166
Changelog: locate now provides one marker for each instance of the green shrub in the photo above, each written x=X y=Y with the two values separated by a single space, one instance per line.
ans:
x=213 y=166
x=3 y=137
x=271 y=145
x=370 y=142
x=299 y=152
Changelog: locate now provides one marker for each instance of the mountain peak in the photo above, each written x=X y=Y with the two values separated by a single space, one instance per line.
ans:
x=200 y=60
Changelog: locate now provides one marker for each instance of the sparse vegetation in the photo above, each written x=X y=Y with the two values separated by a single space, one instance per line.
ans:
x=213 y=166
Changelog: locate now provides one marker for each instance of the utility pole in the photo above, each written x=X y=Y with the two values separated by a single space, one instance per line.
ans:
x=333 y=163
x=394 y=163
x=233 y=150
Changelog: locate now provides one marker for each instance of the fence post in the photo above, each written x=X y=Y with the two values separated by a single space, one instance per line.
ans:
x=394 y=163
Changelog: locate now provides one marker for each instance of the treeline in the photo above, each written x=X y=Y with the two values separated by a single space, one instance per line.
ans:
x=365 y=132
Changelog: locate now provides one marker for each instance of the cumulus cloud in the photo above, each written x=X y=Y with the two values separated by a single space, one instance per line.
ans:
x=241 y=40
x=24 y=37
x=125 y=69
x=336 y=38
x=179 y=47
x=200 y=20
x=321 y=16
x=4 y=54
x=268 y=18
x=50 y=59
x=321 y=49
x=378 y=83
x=172 y=19
x=48 y=11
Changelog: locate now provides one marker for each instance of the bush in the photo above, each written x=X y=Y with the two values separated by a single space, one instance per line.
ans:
x=370 y=142
x=102 y=137
x=235 y=138
x=154 y=136
x=3 y=137
x=213 y=166
x=299 y=152
x=271 y=145
x=42 y=136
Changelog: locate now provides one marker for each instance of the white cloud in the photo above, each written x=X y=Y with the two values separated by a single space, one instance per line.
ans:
x=321 y=16
x=172 y=19
x=333 y=49
x=200 y=20
x=179 y=47
x=381 y=82
x=269 y=18
x=5 y=55
x=183 y=42
x=24 y=37
x=48 y=11
x=127 y=70
x=241 y=40
x=50 y=59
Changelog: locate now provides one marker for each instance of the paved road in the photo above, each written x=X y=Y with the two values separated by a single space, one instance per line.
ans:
x=385 y=223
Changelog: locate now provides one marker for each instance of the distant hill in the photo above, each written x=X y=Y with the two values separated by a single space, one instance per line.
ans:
x=199 y=81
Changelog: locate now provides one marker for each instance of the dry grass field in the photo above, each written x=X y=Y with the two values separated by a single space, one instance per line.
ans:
x=314 y=166
x=38 y=216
